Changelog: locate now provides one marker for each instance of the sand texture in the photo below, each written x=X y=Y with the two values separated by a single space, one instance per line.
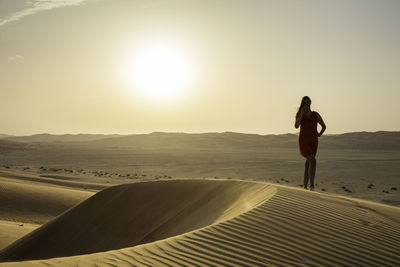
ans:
x=35 y=202
x=28 y=201
x=214 y=223
x=11 y=231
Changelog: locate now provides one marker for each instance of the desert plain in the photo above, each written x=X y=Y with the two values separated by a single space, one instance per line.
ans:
x=213 y=199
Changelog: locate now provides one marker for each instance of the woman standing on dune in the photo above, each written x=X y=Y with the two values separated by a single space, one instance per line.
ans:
x=308 y=138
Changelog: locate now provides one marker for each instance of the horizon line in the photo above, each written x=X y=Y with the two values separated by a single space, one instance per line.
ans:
x=177 y=132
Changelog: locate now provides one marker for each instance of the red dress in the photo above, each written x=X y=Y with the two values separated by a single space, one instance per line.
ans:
x=308 y=138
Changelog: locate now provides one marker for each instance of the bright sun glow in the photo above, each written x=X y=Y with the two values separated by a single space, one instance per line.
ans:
x=160 y=71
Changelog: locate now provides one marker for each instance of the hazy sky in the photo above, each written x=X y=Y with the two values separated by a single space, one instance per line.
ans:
x=66 y=66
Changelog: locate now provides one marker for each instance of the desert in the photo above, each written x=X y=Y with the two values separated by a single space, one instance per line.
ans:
x=199 y=133
x=144 y=200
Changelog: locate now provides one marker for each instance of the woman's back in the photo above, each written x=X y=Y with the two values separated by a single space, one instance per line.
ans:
x=308 y=125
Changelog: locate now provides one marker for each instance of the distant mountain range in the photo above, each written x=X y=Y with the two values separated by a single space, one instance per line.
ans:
x=363 y=140
x=382 y=140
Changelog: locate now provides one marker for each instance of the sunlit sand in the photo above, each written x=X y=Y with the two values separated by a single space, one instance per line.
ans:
x=204 y=222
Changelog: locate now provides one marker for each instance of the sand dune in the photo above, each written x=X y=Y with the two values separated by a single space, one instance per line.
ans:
x=28 y=201
x=215 y=223
x=35 y=202
x=132 y=214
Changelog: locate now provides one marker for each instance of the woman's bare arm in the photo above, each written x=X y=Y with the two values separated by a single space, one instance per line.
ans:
x=322 y=123
x=299 y=118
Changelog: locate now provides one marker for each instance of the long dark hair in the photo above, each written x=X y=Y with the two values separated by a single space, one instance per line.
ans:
x=302 y=104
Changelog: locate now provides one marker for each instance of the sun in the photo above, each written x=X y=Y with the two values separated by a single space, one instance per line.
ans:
x=160 y=71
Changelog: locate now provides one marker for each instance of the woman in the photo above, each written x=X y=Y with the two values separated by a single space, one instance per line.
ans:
x=308 y=138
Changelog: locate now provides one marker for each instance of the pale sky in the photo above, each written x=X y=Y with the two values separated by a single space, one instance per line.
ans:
x=72 y=66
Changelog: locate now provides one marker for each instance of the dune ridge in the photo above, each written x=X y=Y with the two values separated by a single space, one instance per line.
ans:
x=291 y=227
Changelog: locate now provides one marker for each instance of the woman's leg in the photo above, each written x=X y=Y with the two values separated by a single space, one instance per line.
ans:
x=313 y=165
x=306 y=171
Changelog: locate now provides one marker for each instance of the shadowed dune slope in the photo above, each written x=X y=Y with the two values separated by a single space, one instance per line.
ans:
x=132 y=214
x=292 y=228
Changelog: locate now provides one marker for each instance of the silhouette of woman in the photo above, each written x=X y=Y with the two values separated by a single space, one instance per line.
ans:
x=308 y=138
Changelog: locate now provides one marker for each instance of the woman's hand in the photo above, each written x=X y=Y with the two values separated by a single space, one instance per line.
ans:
x=322 y=123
